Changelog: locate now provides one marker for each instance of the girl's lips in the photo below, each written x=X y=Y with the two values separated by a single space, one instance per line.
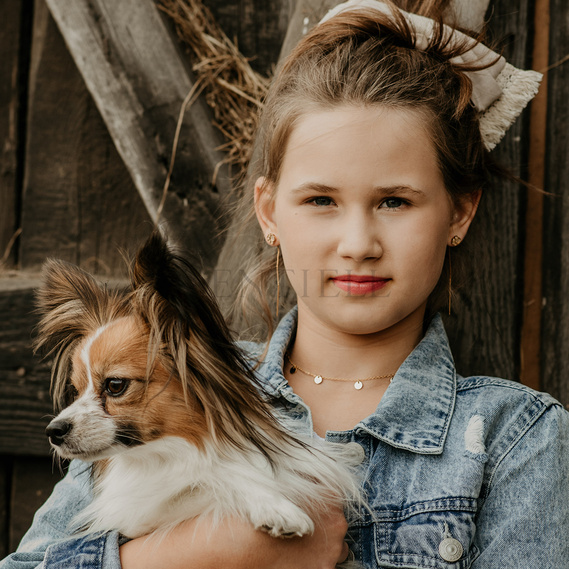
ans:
x=356 y=285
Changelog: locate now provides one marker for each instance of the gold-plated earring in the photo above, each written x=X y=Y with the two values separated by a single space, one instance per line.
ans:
x=271 y=239
x=456 y=240
x=449 y=280
x=278 y=281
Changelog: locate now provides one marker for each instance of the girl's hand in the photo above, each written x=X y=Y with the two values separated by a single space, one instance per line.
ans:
x=234 y=544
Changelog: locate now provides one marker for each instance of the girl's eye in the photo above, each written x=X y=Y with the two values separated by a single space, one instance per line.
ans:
x=115 y=386
x=321 y=201
x=393 y=203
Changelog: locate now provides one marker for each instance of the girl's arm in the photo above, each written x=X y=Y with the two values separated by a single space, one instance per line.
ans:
x=236 y=544
x=524 y=519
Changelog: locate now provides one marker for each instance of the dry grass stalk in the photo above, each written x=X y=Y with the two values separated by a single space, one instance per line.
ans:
x=233 y=90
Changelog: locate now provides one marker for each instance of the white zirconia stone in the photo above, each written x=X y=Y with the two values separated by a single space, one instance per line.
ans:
x=318 y=380
x=358 y=385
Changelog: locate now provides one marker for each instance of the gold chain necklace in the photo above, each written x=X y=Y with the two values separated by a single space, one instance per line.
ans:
x=318 y=379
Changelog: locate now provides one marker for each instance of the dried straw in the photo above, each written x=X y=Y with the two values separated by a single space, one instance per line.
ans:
x=233 y=90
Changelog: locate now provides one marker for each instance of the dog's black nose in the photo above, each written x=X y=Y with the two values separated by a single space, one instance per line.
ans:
x=57 y=430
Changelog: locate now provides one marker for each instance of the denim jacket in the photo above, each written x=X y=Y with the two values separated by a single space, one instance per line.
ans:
x=459 y=473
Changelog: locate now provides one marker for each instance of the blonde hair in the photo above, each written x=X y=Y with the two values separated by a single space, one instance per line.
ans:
x=366 y=57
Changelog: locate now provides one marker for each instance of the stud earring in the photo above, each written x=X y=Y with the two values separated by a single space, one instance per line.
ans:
x=456 y=240
x=270 y=238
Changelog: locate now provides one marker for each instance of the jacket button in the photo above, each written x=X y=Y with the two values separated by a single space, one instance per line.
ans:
x=450 y=549
x=357 y=451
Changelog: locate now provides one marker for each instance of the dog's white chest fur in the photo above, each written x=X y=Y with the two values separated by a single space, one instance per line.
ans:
x=162 y=483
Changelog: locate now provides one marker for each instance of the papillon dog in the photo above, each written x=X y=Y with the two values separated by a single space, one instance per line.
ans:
x=154 y=392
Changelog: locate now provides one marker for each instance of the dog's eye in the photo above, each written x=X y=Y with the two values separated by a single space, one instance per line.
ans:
x=115 y=386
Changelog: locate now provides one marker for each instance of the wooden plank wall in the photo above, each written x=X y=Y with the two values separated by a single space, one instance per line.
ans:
x=258 y=26
x=79 y=202
x=64 y=182
x=555 y=319
x=14 y=55
x=484 y=329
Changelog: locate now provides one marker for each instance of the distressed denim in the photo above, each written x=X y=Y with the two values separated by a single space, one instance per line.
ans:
x=459 y=473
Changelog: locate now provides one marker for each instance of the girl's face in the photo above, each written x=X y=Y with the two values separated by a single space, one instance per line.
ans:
x=362 y=217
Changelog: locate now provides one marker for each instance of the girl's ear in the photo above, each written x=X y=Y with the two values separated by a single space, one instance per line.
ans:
x=265 y=206
x=463 y=215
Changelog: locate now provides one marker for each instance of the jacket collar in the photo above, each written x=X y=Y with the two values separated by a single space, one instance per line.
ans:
x=415 y=411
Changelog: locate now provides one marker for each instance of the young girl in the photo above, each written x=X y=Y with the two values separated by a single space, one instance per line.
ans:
x=376 y=136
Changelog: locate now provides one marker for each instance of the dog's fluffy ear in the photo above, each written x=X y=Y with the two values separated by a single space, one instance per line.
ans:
x=71 y=305
x=183 y=293
x=154 y=267
x=66 y=300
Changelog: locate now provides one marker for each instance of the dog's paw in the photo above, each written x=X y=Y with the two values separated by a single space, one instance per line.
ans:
x=286 y=520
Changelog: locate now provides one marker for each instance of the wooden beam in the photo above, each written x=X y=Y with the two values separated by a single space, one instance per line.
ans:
x=530 y=365
x=485 y=335
x=79 y=202
x=5 y=479
x=13 y=72
x=138 y=78
x=555 y=305
x=307 y=13
x=258 y=27
x=25 y=403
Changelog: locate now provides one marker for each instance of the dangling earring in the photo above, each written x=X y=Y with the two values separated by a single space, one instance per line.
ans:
x=271 y=239
x=456 y=240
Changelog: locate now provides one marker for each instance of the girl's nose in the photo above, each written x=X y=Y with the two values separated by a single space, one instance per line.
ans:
x=359 y=240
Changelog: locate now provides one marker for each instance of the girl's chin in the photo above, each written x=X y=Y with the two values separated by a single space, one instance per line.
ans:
x=362 y=315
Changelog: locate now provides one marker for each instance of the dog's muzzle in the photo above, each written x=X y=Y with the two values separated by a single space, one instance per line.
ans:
x=57 y=430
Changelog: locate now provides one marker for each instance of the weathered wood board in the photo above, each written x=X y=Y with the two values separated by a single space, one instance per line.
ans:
x=79 y=202
x=555 y=316
x=485 y=331
x=5 y=470
x=25 y=404
x=258 y=27
x=33 y=479
x=14 y=46
x=25 y=484
x=135 y=72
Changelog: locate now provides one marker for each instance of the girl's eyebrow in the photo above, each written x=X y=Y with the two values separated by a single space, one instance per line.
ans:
x=313 y=187
x=325 y=189
x=397 y=189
